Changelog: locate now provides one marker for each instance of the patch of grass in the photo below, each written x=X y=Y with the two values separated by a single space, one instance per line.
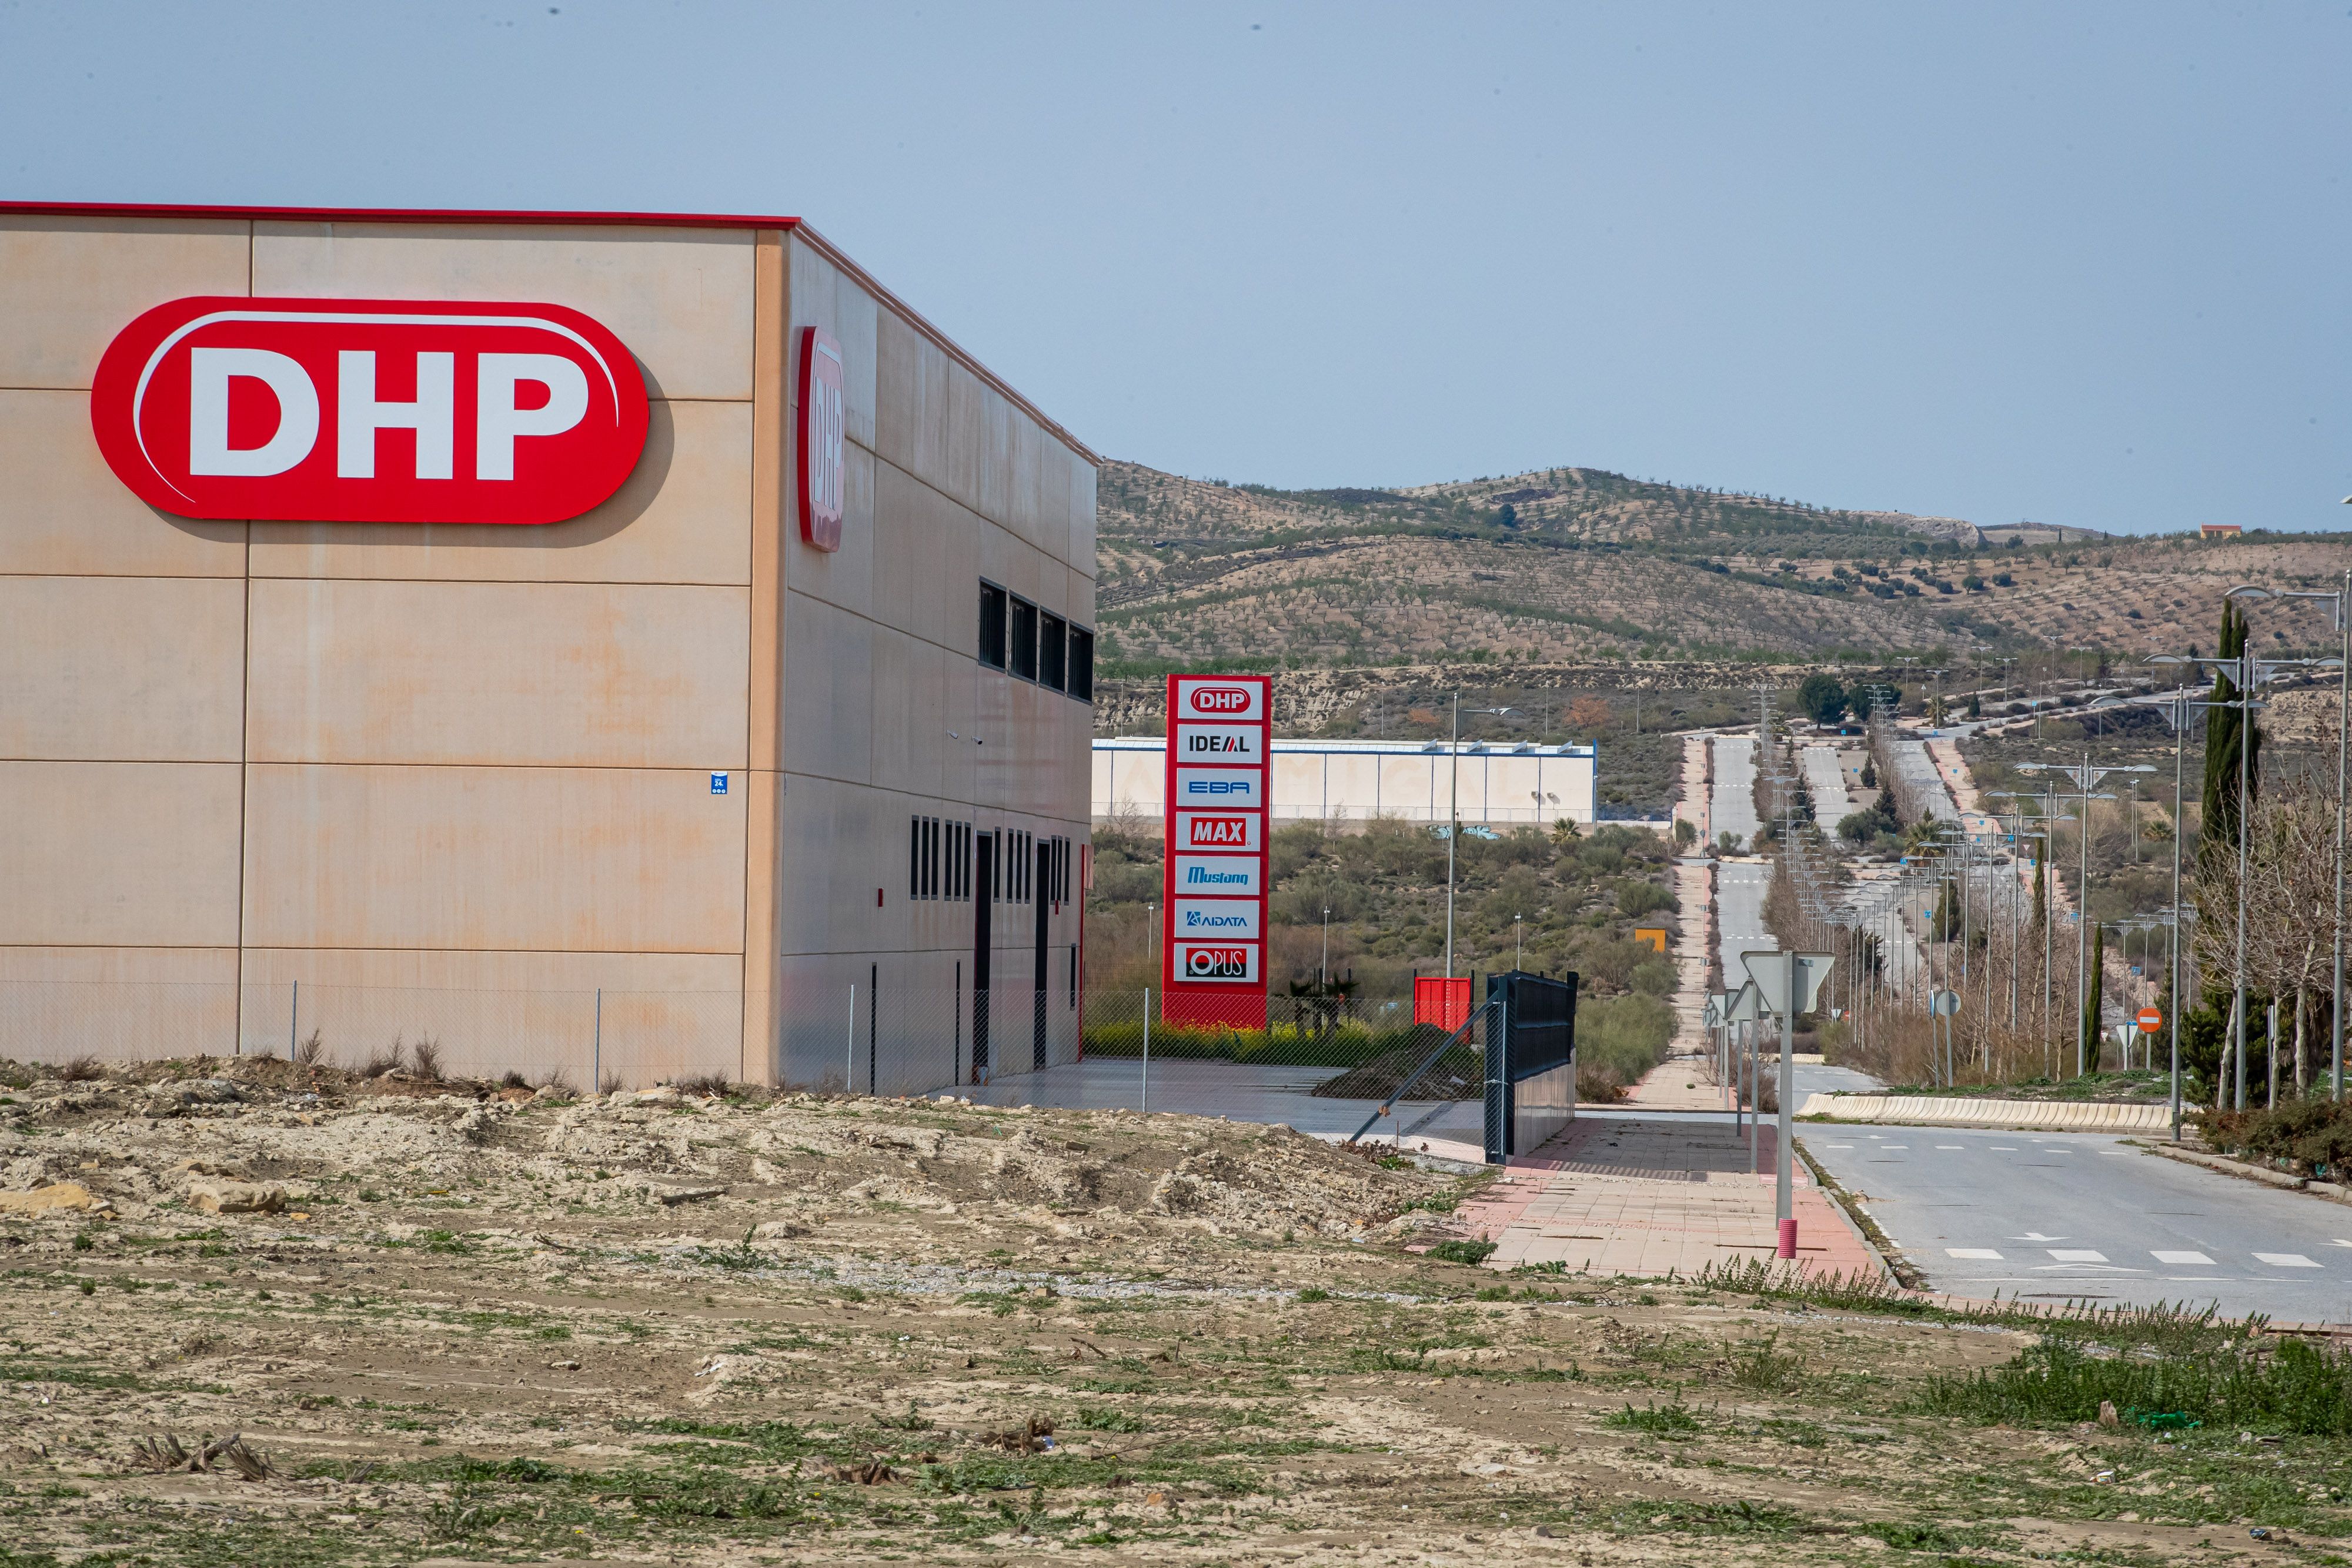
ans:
x=1673 y=1420
x=1314 y=1293
x=1101 y=1418
x=2293 y=1388
x=1470 y=1252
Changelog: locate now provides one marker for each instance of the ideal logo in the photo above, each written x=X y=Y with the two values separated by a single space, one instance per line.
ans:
x=1228 y=743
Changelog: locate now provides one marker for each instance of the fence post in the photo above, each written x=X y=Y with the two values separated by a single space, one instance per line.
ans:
x=293 y=1020
x=596 y=1050
x=849 y=1051
x=1147 y=1051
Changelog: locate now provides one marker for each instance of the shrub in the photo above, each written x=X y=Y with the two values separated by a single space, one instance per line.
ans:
x=1471 y=1253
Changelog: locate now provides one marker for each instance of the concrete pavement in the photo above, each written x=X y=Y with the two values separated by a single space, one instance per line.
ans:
x=2066 y=1216
x=1733 y=807
x=1646 y=1196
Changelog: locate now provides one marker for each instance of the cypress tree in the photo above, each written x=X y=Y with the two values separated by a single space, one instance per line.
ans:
x=2223 y=731
x=2094 y=984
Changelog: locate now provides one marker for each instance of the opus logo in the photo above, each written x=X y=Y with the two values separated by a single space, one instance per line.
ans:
x=369 y=410
x=822 y=423
x=1222 y=961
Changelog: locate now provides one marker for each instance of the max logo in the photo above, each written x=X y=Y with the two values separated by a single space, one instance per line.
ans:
x=368 y=410
x=1219 y=700
x=1216 y=963
x=1218 y=832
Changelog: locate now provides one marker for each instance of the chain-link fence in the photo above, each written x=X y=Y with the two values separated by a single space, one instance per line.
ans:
x=1324 y=1065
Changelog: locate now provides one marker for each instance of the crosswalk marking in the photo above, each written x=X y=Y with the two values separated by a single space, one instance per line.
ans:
x=2077 y=1255
x=2286 y=1259
x=1974 y=1252
x=1951 y=1146
x=2198 y=1259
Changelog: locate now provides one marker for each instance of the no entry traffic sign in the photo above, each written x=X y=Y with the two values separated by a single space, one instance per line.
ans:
x=2150 y=1020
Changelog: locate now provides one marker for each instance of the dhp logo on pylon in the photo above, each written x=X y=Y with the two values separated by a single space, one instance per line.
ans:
x=379 y=411
x=1221 y=701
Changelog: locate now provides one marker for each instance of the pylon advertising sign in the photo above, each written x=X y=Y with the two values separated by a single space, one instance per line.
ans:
x=1214 y=890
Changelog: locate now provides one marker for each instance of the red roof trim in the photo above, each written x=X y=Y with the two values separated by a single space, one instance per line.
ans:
x=399 y=214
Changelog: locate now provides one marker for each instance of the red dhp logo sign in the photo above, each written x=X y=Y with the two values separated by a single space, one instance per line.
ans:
x=369 y=411
x=1219 y=700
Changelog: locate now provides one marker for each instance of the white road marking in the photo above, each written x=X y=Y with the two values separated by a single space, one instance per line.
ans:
x=2286 y=1259
x=1837 y=1145
x=2012 y=1148
x=1903 y=1148
x=2077 y=1255
x=2339 y=1242
x=2036 y=1236
x=1973 y=1252
x=2185 y=1260
x=1951 y=1146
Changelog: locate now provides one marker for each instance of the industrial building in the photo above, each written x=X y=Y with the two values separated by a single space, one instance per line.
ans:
x=632 y=645
x=1488 y=782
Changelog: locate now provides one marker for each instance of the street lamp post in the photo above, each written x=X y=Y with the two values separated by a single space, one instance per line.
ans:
x=1453 y=814
x=2082 y=776
x=1323 y=970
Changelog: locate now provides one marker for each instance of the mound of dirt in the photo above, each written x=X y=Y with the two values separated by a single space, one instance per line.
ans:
x=223 y=1137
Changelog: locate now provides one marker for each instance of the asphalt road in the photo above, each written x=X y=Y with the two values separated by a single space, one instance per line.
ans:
x=2082 y=1216
x=1733 y=806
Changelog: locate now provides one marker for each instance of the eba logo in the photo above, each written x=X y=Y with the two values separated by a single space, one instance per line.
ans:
x=368 y=410
x=1221 y=700
x=1217 y=963
x=1216 y=786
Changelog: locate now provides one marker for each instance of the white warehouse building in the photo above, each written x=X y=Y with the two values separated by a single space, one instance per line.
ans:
x=1499 y=783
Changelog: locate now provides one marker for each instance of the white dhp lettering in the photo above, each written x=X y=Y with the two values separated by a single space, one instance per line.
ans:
x=209 y=372
x=358 y=416
x=497 y=419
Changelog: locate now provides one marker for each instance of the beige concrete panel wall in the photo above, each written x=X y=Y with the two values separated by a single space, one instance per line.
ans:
x=1043 y=472
x=1406 y=790
x=1083 y=480
x=837 y=843
x=1295 y=789
x=120 y=668
x=684 y=516
x=926 y=561
x=910 y=400
x=680 y=298
x=535 y=858
x=579 y=675
x=828 y=697
x=1354 y=784
x=134 y=854
x=999 y=478
x=822 y=297
x=68 y=284
x=967 y=438
x=842 y=577
x=662 y=1015
x=117 y=1004
x=921 y=1037
x=63 y=511
x=911 y=740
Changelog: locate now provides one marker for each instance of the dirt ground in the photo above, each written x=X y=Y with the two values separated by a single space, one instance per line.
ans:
x=455 y=1325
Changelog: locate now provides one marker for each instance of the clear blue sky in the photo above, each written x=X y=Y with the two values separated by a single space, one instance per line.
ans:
x=2078 y=263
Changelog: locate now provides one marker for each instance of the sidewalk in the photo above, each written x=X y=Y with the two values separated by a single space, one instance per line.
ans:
x=1644 y=1198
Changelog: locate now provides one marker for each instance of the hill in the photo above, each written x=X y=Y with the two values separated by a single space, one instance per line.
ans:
x=1573 y=565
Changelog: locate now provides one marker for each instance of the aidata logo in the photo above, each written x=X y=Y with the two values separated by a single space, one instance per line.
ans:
x=1216 y=963
x=368 y=410
x=823 y=423
x=1220 y=701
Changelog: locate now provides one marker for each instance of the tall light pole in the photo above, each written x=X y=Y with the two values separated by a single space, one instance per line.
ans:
x=1518 y=943
x=2082 y=776
x=2340 y=604
x=1323 y=971
x=1454 y=815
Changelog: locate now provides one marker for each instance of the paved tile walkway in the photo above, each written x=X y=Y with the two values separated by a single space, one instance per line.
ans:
x=1647 y=1197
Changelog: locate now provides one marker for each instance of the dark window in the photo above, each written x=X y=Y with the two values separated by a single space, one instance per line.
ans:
x=1082 y=664
x=991 y=626
x=1024 y=640
x=1052 y=644
x=914 y=857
